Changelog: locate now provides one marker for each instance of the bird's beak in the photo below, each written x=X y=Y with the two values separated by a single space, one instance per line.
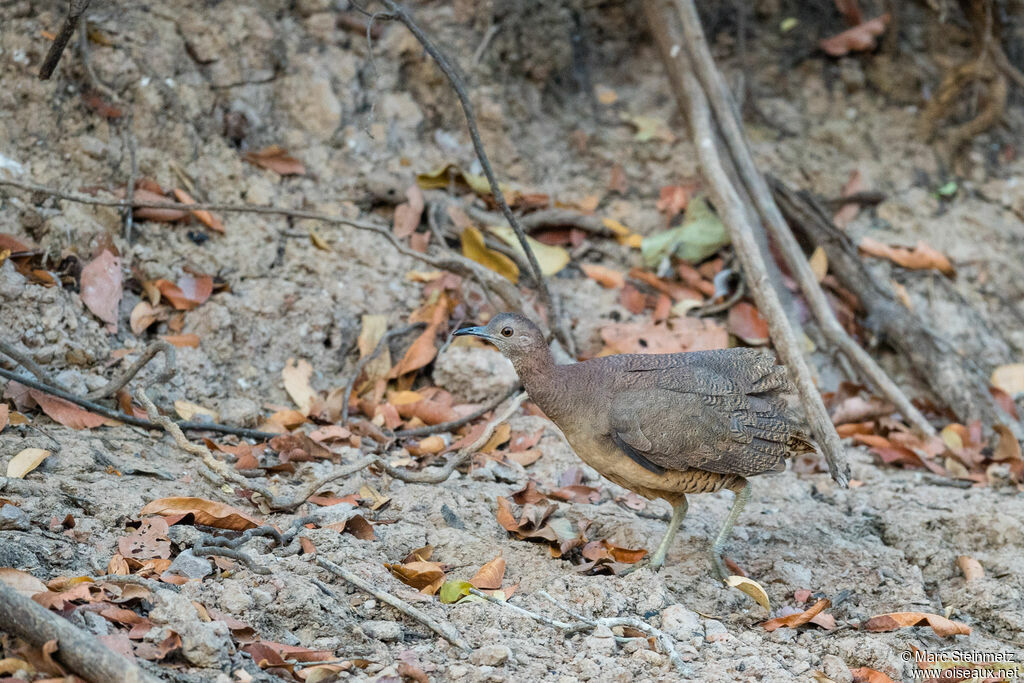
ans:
x=472 y=331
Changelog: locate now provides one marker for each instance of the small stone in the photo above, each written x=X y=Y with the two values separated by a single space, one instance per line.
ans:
x=474 y=374
x=13 y=518
x=836 y=669
x=191 y=567
x=601 y=640
x=204 y=644
x=387 y=631
x=236 y=597
x=650 y=656
x=715 y=631
x=679 y=622
x=456 y=671
x=490 y=655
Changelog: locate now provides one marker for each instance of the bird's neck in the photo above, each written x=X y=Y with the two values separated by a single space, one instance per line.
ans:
x=541 y=378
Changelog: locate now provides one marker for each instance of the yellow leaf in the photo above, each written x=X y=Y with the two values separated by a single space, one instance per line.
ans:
x=26 y=461
x=440 y=178
x=374 y=328
x=401 y=398
x=188 y=411
x=550 y=258
x=951 y=437
x=296 y=376
x=473 y=248
x=318 y=241
x=751 y=588
x=501 y=434
x=624 y=235
x=819 y=264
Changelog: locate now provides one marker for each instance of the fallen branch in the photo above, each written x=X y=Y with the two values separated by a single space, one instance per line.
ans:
x=550 y=301
x=446 y=631
x=75 y=10
x=736 y=219
x=952 y=376
x=80 y=652
x=116 y=384
x=731 y=128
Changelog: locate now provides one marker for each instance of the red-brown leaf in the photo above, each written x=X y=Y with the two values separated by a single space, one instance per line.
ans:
x=205 y=512
x=101 y=288
x=857 y=39
x=746 y=323
x=66 y=412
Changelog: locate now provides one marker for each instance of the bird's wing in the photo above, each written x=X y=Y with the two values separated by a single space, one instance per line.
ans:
x=720 y=414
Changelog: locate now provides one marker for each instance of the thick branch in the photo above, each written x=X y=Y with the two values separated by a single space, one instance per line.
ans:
x=75 y=10
x=735 y=217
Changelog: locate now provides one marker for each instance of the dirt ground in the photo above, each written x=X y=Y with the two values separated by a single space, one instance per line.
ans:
x=205 y=82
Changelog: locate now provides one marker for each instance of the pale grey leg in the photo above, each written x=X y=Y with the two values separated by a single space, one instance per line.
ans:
x=738 y=503
x=678 y=514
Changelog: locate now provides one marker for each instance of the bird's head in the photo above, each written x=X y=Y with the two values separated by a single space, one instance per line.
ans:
x=515 y=336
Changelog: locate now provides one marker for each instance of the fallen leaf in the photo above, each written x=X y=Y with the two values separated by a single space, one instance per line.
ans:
x=101 y=288
x=1008 y=448
x=443 y=177
x=143 y=315
x=1009 y=378
x=190 y=411
x=4 y=413
x=275 y=158
x=860 y=38
x=12 y=244
x=699 y=237
x=374 y=327
x=204 y=217
x=189 y=293
x=745 y=322
x=142 y=195
x=672 y=200
x=673 y=336
x=425 y=576
x=22 y=581
x=896 y=620
x=66 y=412
x=819 y=263
x=296 y=375
x=182 y=340
x=608 y=278
x=578 y=494
x=863 y=674
x=149 y=541
x=408 y=214
x=650 y=128
x=847 y=212
x=474 y=249
x=970 y=567
x=794 y=620
x=922 y=257
x=490 y=575
x=26 y=461
x=420 y=353
x=205 y=512
x=453 y=591
x=551 y=259
x=751 y=588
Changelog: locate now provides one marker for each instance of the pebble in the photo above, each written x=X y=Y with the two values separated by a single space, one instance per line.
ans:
x=836 y=669
x=679 y=622
x=13 y=518
x=386 y=631
x=490 y=655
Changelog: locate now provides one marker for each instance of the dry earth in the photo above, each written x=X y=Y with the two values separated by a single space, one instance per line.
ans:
x=365 y=129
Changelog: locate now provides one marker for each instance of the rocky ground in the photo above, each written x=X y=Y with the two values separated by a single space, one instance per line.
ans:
x=563 y=93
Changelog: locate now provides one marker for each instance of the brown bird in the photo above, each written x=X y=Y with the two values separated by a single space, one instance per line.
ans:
x=662 y=425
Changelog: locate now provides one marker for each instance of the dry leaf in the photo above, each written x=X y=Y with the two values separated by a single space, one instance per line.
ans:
x=4 y=413
x=296 y=375
x=66 y=412
x=205 y=217
x=819 y=263
x=674 y=336
x=275 y=158
x=474 y=249
x=189 y=293
x=970 y=567
x=101 y=288
x=182 y=340
x=148 y=542
x=863 y=674
x=751 y=588
x=847 y=212
x=189 y=411
x=860 y=38
x=22 y=581
x=426 y=576
x=490 y=576
x=922 y=257
x=1008 y=448
x=141 y=194
x=794 y=620
x=373 y=330
x=672 y=200
x=205 y=512
x=143 y=315
x=745 y=322
x=1009 y=378
x=408 y=214
x=603 y=275
x=896 y=620
x=26 y=461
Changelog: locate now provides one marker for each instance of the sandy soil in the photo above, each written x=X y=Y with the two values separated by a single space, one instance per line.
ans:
x=192 y=70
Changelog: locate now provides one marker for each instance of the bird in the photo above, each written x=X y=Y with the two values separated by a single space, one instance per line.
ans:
x=662 y=425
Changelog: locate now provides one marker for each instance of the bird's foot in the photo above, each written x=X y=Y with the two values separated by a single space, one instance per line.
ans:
x=646 y=562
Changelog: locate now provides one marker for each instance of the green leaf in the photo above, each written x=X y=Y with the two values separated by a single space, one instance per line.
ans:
x=699 y=237
x=453 y=591
x=947 y=190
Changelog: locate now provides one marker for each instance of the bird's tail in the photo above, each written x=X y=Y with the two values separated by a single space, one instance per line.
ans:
x=800 y=442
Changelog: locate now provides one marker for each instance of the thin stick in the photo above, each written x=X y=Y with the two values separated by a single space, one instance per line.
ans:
x=736 y=219
x=75 y=10
x=732 y=132
x=363 y=362
x=342 y=473
x=116 y=384
x=446 y=631
x=101 y=409
x=25 y=361
x=499 y=198
x=80 y=652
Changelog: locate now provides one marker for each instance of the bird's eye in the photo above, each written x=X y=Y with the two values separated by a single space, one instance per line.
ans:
x=506 y=332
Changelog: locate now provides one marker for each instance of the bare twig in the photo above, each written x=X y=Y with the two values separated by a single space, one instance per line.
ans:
x=101 y=409
x=455 y=424
x=83 y=53
x=25 y=361
x=446 y=631
x=550 y=301
x=200 y=550
x=80 y=652
x=75 y=10
x=344 y=472
x=736 y=219
x=363 y=362
x=116 y=384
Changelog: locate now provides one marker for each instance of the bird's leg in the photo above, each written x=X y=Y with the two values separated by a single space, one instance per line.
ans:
x=678 y=514
x=738 y=503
